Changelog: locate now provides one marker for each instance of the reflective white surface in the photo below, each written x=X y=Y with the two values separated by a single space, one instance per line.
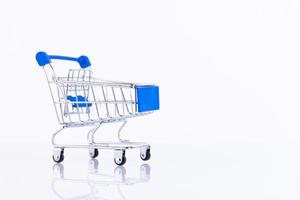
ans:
x=98 y=183
x=229 y=82
x=205 y=171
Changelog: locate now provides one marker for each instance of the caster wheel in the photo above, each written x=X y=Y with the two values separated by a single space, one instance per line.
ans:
x=145 y=155
x=58 y=155
x=58 y=158
x=93 y=153
x=120 y=159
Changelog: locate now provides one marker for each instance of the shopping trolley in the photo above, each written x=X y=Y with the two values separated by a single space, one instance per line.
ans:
x=80 y=100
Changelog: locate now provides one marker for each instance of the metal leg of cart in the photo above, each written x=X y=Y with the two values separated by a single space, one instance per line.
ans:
x=93 y=147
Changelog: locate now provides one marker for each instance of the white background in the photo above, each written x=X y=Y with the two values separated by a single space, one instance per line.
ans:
x=229 y=82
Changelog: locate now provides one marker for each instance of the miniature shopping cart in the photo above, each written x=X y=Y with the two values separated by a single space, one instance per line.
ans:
x=80 y=100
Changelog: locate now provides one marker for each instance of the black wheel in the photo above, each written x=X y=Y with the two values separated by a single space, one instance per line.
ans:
x=58 y=159
x=146 y=156
x=120 y=161
x=94 y=153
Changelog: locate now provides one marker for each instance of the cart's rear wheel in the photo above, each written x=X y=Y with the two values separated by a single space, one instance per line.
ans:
x=58 y=158
x=145 y=155
x=93 y=153
x=58 y=155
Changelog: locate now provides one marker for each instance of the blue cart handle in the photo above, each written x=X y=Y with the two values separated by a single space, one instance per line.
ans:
x=43 y=59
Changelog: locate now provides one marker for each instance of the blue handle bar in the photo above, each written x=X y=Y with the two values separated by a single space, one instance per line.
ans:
x=43 y=59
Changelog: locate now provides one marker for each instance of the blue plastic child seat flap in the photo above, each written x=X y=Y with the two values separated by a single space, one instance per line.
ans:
x=79 y=98
x=147 y=98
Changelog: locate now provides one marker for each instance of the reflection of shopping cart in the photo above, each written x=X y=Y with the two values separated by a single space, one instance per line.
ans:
x=82 y=100
x=96 y=185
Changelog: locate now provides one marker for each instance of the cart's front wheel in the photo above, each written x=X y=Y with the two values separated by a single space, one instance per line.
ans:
x=120 y=158
x=120 y=161
x=93 y=153
x=145 y=155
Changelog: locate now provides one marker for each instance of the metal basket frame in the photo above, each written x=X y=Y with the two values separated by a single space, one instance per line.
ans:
x=80 y=100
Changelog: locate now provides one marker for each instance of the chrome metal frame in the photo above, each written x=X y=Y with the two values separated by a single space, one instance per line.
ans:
x=104 y=102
